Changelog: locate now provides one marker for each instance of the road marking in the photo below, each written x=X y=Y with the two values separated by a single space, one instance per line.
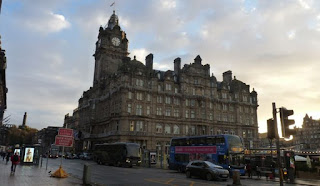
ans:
x=169 y=180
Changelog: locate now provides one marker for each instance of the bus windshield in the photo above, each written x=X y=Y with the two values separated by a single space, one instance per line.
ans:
x=132 y=151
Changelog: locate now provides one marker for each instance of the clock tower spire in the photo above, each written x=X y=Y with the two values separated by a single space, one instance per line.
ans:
x=111 y=48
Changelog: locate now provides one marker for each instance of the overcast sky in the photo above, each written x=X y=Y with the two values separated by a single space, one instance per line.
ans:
x=271 y=45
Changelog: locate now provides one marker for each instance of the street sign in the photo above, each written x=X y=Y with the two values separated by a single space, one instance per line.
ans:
x=64 y=141
x=65 y=132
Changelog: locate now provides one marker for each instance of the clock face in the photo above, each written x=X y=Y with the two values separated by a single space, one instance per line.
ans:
x=115 y=41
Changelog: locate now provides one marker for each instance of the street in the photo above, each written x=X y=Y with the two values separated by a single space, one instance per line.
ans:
x=110 y=175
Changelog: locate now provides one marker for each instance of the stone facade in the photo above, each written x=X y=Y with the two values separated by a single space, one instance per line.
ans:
x=132 y=102
x=308 y=137
x=3 y=87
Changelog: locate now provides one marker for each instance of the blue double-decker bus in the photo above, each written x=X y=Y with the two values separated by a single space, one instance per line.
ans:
x=224 y=150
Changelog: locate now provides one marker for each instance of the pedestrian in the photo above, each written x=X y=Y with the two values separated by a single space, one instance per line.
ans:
x=248 y=167
x=3 y=154
x=15 y=159
x=7 y=157
x=258 y=171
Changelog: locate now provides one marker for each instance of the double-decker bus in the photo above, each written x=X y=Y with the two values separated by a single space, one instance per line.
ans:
x=224 y=150
x=118 y=154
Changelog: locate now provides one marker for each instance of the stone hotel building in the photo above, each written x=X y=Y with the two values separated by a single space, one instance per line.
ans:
x=132 y=102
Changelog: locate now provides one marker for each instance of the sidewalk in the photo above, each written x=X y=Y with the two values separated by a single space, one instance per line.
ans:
x=297 y=181
x=32 y=175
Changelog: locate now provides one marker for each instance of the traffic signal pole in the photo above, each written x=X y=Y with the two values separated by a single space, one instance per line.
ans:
x=274 y=110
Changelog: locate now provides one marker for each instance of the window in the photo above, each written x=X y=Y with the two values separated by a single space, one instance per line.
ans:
x=231 y=118
x=159 y=99
x=193 y=91
x=196 y=81
x=249 y=133
x=192 y=114
x=193 y=130
x=211 y=131
x=176 y=129
x=139 y=110
x=168 y=100
x=218 y=106
x=231 y=108
x=252 y=120
x=226 y=131
x=139 y=96
x=232 y=132
x=224 y=117
x=129 y=95
x=131 y=125
x=168 y=87
x=168 y=112
x=224 y=95
x=129 y=108
x=167 y=129
x=192 y=102
x=203 y=115
x=210 y=116
x=187 y=102
x=139 y=82
x=187 y=113
x=203 y=130
x=176 y=113
x=148 y=97
x=176 y=90
x=139 y=126
x=219 y=131
x=211 y=105
x=176 y=101
x=159 y=88
x=158 y=128
x=148 y=110
x=240 y=108
x=159 y=111
x=224 y=107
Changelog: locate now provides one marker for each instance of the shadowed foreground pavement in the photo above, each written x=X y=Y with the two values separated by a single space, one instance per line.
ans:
x=32 y=175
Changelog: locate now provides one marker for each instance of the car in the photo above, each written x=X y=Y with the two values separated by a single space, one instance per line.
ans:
x=207 y=170
x=68 y=155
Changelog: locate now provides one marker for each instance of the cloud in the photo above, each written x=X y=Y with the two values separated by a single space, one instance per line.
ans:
x=270 y=45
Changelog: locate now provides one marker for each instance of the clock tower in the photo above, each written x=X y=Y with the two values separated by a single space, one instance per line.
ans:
x=111 y=48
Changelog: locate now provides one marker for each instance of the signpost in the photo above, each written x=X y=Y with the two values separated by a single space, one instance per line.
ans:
x=64 y=139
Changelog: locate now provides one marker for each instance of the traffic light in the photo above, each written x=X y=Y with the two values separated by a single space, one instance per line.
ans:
x=271 y=129
x=285 y=122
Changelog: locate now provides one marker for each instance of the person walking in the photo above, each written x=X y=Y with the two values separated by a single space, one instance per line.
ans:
x=248 y=167
x=7 y=157
x=15 y=159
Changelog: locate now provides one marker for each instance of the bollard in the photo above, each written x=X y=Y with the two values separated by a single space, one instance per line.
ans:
x=86 y=174
x=236 y=177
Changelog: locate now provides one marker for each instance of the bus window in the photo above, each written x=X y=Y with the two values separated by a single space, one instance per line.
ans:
x=193 y=141
x=211 y=141
x=220 y=140
x=202 y=141
x=183 y=142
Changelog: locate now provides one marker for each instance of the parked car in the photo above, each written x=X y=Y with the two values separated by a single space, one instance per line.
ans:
x=75 y=156
x=207 y=170
x=68 y=155
x=87 y=156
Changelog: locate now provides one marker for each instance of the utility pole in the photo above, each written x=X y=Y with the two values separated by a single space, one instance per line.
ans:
x=274 y=110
